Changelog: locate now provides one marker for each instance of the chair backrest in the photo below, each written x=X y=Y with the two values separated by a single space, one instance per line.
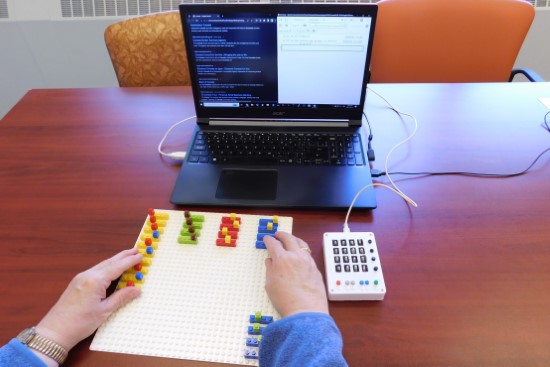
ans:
x=148 y=51
x=448 y=40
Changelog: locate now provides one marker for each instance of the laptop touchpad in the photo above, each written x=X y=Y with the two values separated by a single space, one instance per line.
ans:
x=247 y=184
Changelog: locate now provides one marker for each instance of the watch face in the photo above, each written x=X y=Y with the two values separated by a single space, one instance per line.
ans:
x=26 y=335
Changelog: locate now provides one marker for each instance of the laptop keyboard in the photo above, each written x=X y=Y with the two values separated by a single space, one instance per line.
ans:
x=277 y=148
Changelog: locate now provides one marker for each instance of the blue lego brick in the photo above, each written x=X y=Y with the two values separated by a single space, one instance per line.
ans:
x=255 y=329
x=253 y=342
x=258 y=318
x=266 y=320
x=260 y=236
x=264 y=221
x=263 y=229
x=251 y=354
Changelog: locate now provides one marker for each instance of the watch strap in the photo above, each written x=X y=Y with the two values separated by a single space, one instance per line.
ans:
x=46 y=346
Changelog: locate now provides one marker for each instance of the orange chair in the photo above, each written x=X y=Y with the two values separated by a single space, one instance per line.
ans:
x=148 y=51
x=418 y=41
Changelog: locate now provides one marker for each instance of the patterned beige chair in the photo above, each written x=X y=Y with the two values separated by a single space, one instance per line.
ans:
x=148 y=51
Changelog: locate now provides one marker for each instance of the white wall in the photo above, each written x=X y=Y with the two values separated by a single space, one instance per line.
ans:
x=71 y=53
x=52 y=54
x=535 y=52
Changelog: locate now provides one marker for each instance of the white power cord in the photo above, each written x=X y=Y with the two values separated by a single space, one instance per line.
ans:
x=179 y=155
x=393 y=186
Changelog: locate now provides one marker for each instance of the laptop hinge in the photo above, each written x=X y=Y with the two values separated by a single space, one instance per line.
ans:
x=281 y=123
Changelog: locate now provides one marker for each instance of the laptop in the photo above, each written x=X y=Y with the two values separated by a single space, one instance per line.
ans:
x=279 y=91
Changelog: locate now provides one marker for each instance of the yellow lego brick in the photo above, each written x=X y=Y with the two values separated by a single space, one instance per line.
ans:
x=131 y=277
x=143 y=269
x=146 y=261
x=148 y=230
x=144 y=236
x=142 y=245
x=160 y=223
x=162 y=215
x=145 y=254
x=121 y=285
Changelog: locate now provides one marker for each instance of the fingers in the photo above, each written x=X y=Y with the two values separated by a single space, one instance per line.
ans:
x=303 y=245
x=293 y=243
x=117 y=257
x=112 y=268
x=283 y=241
x=290 y=242
x=274 y=247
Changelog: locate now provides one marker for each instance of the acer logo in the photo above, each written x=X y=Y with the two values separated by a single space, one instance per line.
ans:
x=278 y=113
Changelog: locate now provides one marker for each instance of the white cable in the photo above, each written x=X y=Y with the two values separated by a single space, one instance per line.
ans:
x=395 y=189
x=386 y=164
x=405 y=197
x=178 y=156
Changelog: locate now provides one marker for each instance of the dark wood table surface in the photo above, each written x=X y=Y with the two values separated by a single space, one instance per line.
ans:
x=467 y=272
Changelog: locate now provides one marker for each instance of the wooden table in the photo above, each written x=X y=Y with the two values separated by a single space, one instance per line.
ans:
x=468 y=271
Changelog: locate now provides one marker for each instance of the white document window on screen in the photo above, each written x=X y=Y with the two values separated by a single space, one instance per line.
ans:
x=545 y=102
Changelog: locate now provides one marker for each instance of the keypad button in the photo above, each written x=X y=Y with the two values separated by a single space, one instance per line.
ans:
x=354 y=259
x=361 y=250
x=336 y=251
x=346 y=259
x=343 y=242
x=347 y=268
x=337 y=259
x=355 y=268
x=352 y=251
x=344 y=251
x=364 y=268
x=338 y=268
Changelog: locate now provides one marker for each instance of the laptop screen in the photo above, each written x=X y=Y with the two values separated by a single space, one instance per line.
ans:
x=293 y=61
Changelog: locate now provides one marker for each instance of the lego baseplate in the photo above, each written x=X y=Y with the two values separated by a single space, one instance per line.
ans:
x=197 y=297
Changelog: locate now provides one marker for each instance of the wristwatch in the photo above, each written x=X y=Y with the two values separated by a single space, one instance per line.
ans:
x=30 y=338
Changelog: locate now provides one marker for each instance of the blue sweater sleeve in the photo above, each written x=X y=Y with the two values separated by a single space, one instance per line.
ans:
x=16 y=354
x=301 y=340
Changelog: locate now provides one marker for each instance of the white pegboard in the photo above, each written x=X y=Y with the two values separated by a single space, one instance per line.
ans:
x=196 y=299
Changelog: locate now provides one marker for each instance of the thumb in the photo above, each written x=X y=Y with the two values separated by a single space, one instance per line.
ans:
x=120 y=298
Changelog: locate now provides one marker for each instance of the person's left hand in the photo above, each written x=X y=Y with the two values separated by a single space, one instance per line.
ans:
x=84 y=305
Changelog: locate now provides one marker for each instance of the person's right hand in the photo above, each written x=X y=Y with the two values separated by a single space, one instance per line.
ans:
x=293 y=282
x=84 y=305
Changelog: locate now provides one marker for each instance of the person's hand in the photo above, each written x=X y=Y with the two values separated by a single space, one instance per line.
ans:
x=84 y=305
x=293 y=282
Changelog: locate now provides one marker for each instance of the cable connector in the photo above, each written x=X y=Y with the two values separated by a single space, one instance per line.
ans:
x=177 y=156
x=377 y=173
x=370 y=154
